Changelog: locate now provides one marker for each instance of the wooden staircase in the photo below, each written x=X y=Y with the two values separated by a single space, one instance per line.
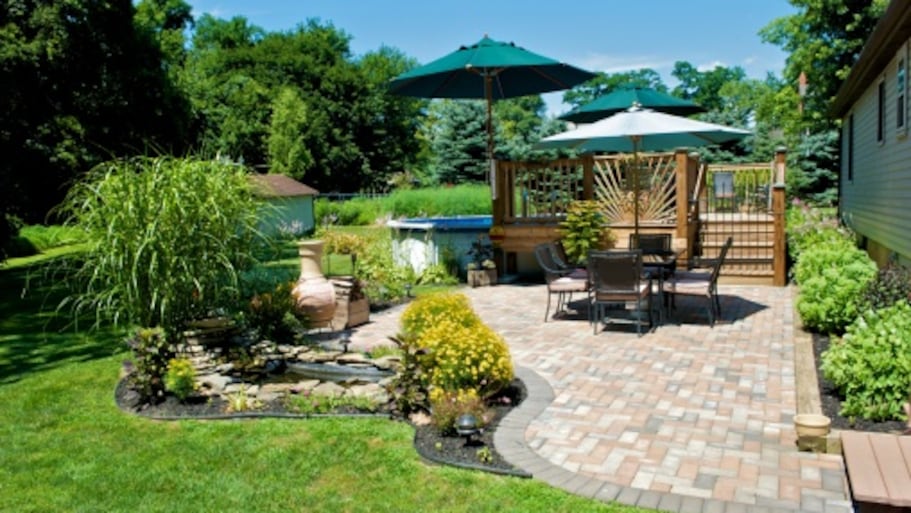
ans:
x=750 y=259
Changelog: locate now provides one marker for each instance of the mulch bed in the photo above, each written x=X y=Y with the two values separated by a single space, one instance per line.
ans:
x=831 y=401
x=429 y=443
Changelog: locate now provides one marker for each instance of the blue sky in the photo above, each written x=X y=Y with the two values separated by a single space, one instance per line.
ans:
x=605 y=35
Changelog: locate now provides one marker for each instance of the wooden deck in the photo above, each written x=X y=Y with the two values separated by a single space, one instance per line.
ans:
x=879 y=468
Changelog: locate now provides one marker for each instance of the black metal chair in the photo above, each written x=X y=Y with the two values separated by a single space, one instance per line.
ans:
x=562 y=282
x=704 y=284
x=616 y=278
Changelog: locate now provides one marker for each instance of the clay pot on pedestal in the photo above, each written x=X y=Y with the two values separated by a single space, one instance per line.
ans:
x=314 y=295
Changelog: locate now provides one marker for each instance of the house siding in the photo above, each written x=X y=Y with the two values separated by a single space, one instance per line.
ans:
x=876 y=203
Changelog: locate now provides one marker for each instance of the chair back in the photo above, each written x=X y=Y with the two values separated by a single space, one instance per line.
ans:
x=651 y=243
x=615 y=272
x=550 y=268
x=716 y=270
x=558 y=255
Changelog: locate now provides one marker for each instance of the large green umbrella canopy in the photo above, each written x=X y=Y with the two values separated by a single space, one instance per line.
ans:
x=637 y=129
x=623 y=98
x=490 y=70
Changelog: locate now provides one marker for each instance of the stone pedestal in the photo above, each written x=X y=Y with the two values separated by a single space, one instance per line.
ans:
x=314 y=295
x=352 y=310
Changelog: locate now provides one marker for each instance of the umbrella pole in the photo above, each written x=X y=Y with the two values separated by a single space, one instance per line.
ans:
x=636 y=139
x=491 y=169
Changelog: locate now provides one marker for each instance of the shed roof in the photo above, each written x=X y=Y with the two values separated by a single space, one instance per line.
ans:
x=280 y=186
x=890 y=33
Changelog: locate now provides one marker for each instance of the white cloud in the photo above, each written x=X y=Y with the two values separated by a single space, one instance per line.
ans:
x=709 y=66
x=616 y=63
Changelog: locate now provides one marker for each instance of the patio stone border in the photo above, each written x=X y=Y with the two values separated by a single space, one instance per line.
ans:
x=509 y=440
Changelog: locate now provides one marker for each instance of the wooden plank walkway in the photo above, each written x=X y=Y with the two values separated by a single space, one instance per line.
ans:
x=879 y=467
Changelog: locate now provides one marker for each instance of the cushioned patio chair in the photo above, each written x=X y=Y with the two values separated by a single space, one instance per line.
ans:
x=616 y=278
x=562 y=282
x=652 y=243
x=701 y=283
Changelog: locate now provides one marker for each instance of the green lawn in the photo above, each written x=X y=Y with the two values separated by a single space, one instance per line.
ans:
x=67 y=447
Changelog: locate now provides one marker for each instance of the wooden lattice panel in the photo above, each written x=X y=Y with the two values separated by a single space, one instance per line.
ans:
x=614 y=187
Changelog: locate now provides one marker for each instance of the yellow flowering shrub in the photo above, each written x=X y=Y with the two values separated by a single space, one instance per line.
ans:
x=447 y=406
x=433 y=309
x=464 y=357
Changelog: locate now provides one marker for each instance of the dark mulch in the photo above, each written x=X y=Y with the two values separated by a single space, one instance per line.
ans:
x=430 y=444
x=452 y=450
x=831 y=401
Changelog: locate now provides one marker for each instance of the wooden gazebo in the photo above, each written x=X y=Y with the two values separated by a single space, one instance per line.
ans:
x=678 y=196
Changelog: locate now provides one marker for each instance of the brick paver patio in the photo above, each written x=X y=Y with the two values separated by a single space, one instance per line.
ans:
x=685 y=418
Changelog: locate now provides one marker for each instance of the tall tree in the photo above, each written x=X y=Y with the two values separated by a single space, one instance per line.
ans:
x=459 y=141
x=79 y=84
x=704 y=87
x=288 y=153
x=823 y=40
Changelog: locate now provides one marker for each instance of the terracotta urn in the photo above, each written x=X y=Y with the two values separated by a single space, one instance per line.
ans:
x=314 y=295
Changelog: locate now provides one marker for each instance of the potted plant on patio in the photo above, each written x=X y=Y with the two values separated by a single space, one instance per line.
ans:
x=482 y=271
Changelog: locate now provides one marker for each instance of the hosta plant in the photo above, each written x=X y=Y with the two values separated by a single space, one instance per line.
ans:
x=871 y=365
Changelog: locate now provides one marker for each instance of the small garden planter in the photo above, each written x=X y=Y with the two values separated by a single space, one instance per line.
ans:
x=482 y=277
x=812 y=430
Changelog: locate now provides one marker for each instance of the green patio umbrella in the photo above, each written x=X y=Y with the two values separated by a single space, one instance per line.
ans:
x=623 y=98
x=490 y=70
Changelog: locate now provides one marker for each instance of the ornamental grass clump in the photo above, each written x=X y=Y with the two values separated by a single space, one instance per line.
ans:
x=871 y=365
x=166 y=240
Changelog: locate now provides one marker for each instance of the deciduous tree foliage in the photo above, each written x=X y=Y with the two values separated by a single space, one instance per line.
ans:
x=80 y=83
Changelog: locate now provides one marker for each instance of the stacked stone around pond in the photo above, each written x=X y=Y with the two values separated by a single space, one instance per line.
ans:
x=260 y=370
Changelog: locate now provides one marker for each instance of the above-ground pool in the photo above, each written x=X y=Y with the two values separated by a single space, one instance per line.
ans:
x=423 y=241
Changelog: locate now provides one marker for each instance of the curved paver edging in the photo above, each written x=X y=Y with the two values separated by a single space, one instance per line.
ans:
x=509 y=440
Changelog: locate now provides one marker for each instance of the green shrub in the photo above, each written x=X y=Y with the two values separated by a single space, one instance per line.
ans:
x=832 y=280
x=384 y=281
x=871 y=366
x=891 y=285
x=432 y=309
x=274 y=315
x=809 y=227
x=46 y=237
x=166 y=239
x=353 y=212
x=409 y=386
x=151 y=353
x=448 y=405
x=180 y=378
x=584 y=229
x=462 y=357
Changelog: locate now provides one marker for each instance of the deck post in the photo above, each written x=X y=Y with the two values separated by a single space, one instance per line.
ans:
x=779 y=249
x=685 y=176
x=504 y=190
x=588 y=177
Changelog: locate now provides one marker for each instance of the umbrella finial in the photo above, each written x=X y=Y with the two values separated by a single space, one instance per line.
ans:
x=635 y=106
